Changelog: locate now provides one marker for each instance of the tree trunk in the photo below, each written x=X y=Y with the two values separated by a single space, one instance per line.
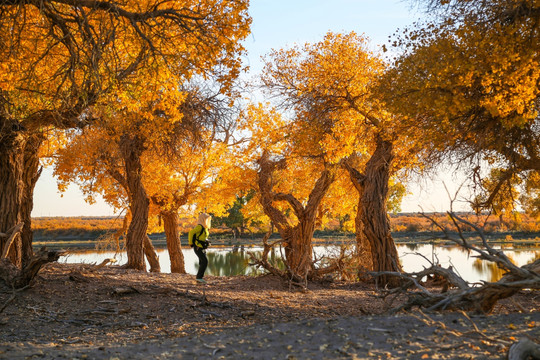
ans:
x=375 y=221
x=170 y=223
x=151 y=255
x=363 y=246
x=364 y=260
x=299 y=249
x=297 y=239
x=31 y=174
x=132 y=149
x=11 y=187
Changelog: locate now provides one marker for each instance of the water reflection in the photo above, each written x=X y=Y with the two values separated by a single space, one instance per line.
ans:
x=229 y=262
x=492 y=271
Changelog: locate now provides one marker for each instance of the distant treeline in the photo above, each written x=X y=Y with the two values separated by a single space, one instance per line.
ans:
x=91 y=228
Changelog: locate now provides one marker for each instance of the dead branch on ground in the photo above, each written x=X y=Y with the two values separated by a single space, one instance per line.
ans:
x=263 y=261
x=12 y=297
x=461 y=295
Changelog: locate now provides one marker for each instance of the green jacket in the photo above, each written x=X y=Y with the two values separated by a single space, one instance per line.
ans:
x=198 y=236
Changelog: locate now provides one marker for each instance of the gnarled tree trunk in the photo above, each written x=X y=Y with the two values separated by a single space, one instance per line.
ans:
x=372 y=222
x=297 y=239
x=363 y=246
x=31 y=174
x=299 y=248
x=11 y=191
x=151 y=255
x=170 y=223
x=136 y=239
x=19 y=164
x=374 y=213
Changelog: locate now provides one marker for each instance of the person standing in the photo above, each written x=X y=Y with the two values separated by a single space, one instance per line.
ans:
x=198 y=240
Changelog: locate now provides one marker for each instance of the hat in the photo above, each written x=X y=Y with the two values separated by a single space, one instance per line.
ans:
x=205 y=220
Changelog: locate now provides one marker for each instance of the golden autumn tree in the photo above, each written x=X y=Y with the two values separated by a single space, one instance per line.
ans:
x=530 y=198
x=192 y=168
x=500 y=202
x=57 y=59
x=159 y=155
x=291 y=177
x=191 y=183
x=330 y=84
x=469 y=80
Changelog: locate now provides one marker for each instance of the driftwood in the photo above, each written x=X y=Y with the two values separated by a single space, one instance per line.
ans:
x=459 y=294
x=16 y=278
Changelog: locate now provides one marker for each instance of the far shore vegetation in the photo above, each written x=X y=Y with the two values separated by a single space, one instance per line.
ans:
x=408 y=228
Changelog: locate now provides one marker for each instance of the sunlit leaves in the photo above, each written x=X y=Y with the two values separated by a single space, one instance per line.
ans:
x=473 y=68
x=327 y=86
x=59 y=56
x=468 y=80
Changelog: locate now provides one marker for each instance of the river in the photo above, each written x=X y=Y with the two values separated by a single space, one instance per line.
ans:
x=226 y=261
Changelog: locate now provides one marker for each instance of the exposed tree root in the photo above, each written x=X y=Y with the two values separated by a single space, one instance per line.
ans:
x=315 y=274
x=16 y=278
x=11 y=234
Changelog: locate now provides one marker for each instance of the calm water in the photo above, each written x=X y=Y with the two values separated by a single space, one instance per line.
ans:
x=226 y=262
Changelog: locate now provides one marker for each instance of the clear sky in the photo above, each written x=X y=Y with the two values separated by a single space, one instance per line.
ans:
x=277 y=24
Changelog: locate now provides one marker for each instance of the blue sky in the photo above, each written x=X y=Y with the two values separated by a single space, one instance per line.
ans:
x=277 y=24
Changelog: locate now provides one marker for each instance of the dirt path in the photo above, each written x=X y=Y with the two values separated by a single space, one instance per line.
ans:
x=76 y=311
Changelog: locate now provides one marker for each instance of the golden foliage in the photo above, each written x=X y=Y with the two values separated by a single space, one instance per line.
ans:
x=61 y=56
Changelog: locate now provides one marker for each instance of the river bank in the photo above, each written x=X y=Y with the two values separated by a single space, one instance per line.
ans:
x=521 y=239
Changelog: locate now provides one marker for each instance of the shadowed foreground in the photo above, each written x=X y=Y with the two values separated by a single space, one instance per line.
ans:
x=80 y=311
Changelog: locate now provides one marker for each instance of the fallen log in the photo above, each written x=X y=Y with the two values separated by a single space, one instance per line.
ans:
x=16 y=278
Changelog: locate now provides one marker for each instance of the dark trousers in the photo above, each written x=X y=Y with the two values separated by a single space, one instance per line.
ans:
x=203 y=261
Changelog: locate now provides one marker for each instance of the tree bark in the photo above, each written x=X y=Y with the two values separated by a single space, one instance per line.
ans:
x=297 y=239
x=363 y=247
x=363 y=253
x=170 y=223
x=376 y=224
x=132 y=149
x=31 y=174
x=376 y=250
x=151 y=255
x=11 y=186
x=299 y=249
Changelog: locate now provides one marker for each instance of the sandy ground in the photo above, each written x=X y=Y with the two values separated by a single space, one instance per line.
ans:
x=83 y=312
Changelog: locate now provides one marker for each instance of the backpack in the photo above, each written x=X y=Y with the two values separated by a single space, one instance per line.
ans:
x=204 y=243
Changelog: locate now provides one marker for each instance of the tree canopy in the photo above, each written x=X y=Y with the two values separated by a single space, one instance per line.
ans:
x=469 y=79
x=64 y=64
